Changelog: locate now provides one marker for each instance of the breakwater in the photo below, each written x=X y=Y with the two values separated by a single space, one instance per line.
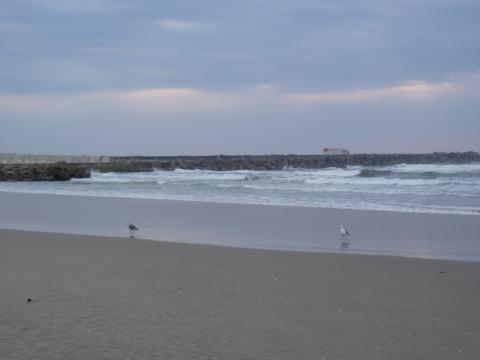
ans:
x=276 y=162
x=43 y=172
x=23 y=168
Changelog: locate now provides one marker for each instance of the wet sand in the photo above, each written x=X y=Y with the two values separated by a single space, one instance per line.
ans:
x=117 y=298
x=252 y=226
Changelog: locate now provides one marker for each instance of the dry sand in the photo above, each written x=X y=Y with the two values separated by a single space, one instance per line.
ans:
x=112 y=298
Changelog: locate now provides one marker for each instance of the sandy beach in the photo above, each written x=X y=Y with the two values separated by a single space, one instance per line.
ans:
x=118 y=298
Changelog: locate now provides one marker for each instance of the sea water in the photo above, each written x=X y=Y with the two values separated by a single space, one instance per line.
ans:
x=447 y=189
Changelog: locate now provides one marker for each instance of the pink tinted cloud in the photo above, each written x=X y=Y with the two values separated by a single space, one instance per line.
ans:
x=191 y=100
x=409 y=90
x=143 y=100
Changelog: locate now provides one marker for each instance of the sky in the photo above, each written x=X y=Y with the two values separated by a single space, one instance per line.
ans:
x=153 y=77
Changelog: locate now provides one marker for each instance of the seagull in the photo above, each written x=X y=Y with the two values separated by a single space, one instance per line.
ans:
x=344 y=241
x=344 y=232
x=132 y=229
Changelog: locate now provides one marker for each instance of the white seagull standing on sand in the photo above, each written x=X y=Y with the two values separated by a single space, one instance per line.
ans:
x=344 y=232
x=344 y=241
x=132 y=229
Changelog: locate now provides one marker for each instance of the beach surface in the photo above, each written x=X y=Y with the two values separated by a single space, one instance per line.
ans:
x=117 y=298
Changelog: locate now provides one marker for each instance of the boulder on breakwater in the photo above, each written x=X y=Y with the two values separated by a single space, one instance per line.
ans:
x=43 y=172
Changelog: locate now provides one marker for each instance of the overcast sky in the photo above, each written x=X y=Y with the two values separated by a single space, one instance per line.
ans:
x=239 y=76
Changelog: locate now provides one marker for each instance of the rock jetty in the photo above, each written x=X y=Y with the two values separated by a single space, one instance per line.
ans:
x=62 y=171
x=43 y=172
x=277 y=162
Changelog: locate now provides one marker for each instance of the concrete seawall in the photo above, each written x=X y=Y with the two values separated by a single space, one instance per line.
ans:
x=21 y=159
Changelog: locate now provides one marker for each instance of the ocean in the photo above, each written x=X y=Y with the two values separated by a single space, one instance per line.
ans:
x=444 y=189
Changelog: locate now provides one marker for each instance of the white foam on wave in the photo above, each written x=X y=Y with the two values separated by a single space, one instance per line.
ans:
x=118 y=178
x=376 y=181
x=332 y=204
x=162 y=177
x=361 y=189
x=329 y=173
x=437 y=168
x=206 y=175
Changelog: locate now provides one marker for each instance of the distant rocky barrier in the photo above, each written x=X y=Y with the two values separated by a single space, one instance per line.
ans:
x=43 y=172
x=62 y=171
x=277 y=162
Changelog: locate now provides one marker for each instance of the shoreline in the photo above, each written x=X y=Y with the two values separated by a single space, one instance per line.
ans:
x=226 y=247
x=441 y=236
x=334 y=252
x=106 y=297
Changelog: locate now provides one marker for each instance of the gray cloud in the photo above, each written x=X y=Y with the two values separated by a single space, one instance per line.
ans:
x=299 y=44
x=325 y=52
